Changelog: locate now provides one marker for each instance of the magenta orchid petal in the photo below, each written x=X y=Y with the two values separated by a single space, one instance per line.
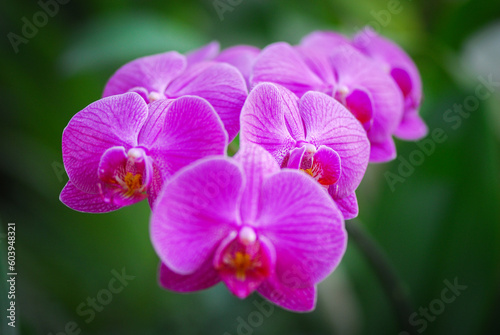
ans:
x=206 y=276
x=222 y=85
x=347 y=205
x=156 y=185
x=84 y=202
x=195 y=212
x=205 y=53
x=383 y=151
x=257 y=164
x=280 y=63
x=296 y=157
x=242 y=57
x=412 y=127
x=321 y=64
x=326 y=167
x=144 y=93
x=289 y=200
x=360 y=104
x=180 y=132
x=390 y=55
x=113 y=196
x=287 y=297
x=153 y=73
x=356 y=71
x=154 y=127
x=270 y=118
x=404 y=72
x=402 y=78
x=330 y=124
x=112 y=159
x=109 y=122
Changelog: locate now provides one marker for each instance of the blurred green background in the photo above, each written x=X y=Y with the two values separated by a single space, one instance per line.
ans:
x=442 y=223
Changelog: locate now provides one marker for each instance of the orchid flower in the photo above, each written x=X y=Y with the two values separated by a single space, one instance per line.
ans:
x=119 y=150
x=245 y=222
x=167 y=76
x=344 y=73
x=404 y=71
x=315 y=134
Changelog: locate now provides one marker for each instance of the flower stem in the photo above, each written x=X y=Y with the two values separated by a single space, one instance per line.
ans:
x=387 y=276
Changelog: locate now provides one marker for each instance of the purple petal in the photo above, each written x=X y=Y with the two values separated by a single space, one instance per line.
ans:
x=281 y=64
x=296 y=157
x=412 y=127
x=242 y=57
x=153 y=73
x=155 y=186
x=383 y=151
x=303 y=224
x=321 y=65
x=390 y=55
x=222 y=85
x=111 y=160
x=329 y=123
x=270 y=118
x=180 y=132
x=359 y=103
x=356 y=71
x=257 y=164
x=348 y=206
x=404 y=71
x=119 y=198
x=206 y=276
x=109 y=122
x=402 y=78
x=195 y=211
x=293 y=299
x=327 y=166
x=206 y=52
x=84 y=202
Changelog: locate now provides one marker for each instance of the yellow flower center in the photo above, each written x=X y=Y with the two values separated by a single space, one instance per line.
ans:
x=133 y=182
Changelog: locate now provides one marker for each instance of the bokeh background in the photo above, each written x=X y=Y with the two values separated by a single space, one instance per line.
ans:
x=442 y=223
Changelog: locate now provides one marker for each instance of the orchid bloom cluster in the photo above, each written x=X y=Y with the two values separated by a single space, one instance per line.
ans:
x=310 y=118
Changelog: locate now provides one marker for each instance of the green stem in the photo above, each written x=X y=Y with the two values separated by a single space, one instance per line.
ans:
x=387 y=276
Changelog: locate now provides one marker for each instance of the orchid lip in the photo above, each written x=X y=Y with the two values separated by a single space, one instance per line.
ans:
x=243 y=261
x=125 y=175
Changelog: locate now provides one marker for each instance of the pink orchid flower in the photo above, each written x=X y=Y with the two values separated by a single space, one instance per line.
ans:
x=119 y=150
x=168 y=76
x=314 y=133
x=245 y=222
